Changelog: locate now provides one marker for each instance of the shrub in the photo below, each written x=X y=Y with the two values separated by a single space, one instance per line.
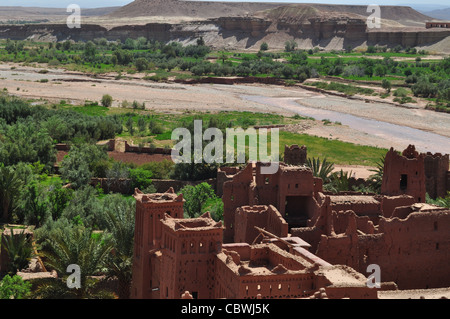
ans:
x=19 y=250
x=196 y=197
x=14 y=287
x=107 y=100
x=400 y=92
x=386 y=84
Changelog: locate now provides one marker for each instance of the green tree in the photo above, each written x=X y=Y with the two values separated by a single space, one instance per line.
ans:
x=223 y=56
x=386 y=84
x=107 y=100
x=10 y=186
x=34 y=204
x=320 y=169
x=74 y=246
x=18 y=247
x=290 y=46
x=75 y=169
x=82 y=163
x=339 y=182
x=264 y=46
x=377 y=177
x=142 y=125
x=141 y=64
x=67 y=45
x=10 y=46
x=196 y=197
x=140 y=178
x=200 y=41
x=90 y=49
x=118 y=219
x=58 y=199
x=129 y=125
x=14 y=288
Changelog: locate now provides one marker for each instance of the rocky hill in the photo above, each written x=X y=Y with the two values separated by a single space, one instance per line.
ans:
x=242 y=25
x=192 y=9
x=443 y=14
x=405 y=16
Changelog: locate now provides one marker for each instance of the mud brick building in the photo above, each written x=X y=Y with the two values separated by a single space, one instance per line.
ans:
x=438 y=24
x=295 y=155
x=320 y=244
x=404 y=174
x=174 y=256
x=437 y=174
x=150 y=209
x=293 y=190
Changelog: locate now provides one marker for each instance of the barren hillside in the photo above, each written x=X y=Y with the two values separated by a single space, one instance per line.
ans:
x=393 y=16
x=299 y=13
x=405 y=15
x=198 y=9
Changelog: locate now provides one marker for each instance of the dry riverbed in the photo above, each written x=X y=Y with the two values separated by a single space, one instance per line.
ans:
x=76 y=88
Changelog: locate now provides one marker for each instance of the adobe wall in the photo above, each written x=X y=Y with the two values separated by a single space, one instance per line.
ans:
x=150 y=209
x=236 y=280
x=362 y=205
x=448 y=181
x=404 y=174
x=417 y=250
x=144 y=149
x=436 y=168
x=295 y=155
x=189 y=252
x=267 y=217
x=390 y=203
x=291 y=190
x=236 y=193
x=411 y=252
x=224 y=174
x=437 y=24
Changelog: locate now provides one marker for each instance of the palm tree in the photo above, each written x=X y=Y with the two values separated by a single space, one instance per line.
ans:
x=18 y=248
x=9 y=190
x=376 y=179
x=118 y=218
x=320 y=169
x=79 y=246
x=339 y=182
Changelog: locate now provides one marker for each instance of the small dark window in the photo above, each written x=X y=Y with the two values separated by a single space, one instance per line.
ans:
x=296 y=185
x=435 y=225
x=403 y=182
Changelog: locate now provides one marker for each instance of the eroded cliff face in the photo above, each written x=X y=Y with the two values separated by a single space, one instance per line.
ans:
x=237 y=33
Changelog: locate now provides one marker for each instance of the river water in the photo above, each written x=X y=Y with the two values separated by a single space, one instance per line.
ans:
x=423 y=141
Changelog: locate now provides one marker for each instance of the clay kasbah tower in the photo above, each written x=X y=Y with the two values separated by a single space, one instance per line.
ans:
x=283 y=236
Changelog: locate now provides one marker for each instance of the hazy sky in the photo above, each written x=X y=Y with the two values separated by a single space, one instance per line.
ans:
x=110 y=3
